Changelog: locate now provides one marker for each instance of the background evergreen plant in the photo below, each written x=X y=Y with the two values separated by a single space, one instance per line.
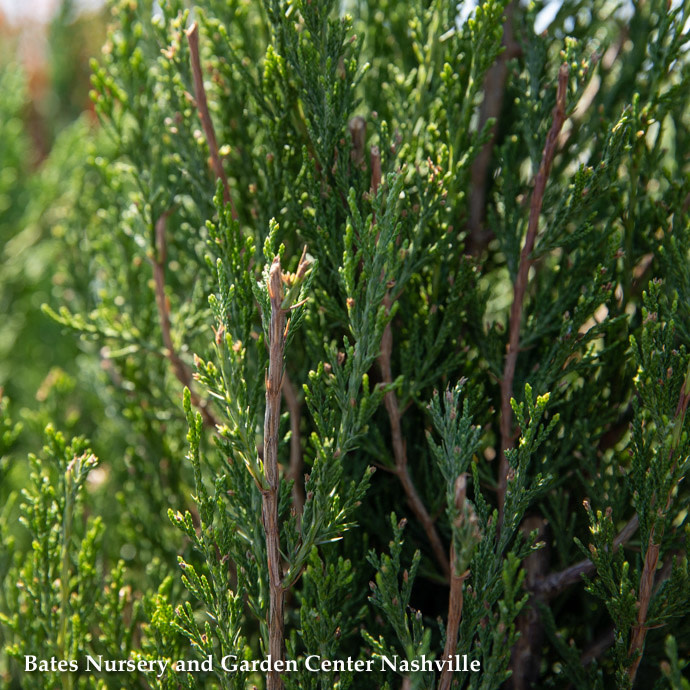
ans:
x=383 y=323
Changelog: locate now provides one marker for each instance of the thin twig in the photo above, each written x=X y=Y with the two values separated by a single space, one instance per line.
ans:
x=375 y=160
x=296 y=464
x=554 y=583
x=455 y=604
x=179 y=368
x=651 y=557
x=400 y=451
x=207 y=124
x=606 y=640
x=525 y=651
x=357 y=127
x=520 y=287
x=204 y=115
x=494 y=89
x=456 y=599
x=270 y=498
x=390 y=401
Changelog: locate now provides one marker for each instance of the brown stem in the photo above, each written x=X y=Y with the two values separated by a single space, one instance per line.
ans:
x=651 y=560
x=494 y=89
x=400 y=452
x=296 y=464
x=651 y=557
x=375 y=160
x=179 y=368
x=358 y=134
x=207 y=124
x=204 y=115
x=274 y=378
x=606 y=640
x=455 y=603
x=520 y=287
x=553 y=584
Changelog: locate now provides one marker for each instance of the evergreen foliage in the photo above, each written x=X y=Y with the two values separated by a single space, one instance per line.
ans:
x=383 y=345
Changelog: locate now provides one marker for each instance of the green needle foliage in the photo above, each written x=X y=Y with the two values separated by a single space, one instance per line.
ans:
x=63 y=605
x=386 y=319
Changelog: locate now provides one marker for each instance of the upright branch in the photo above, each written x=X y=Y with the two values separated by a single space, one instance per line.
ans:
x=520 y=286
x=180 y=369
x=456 y=599
x=204 y=115
x=455 y=604
x=291 y=399
x=494 y=90
x=269 y=492
x=375 y=159
x=651 y=558
x=401 y=469
x=390 y=401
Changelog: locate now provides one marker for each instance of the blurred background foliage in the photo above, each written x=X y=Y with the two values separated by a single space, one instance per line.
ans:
x=51 y=156
x=45 y=124
x=54 y=160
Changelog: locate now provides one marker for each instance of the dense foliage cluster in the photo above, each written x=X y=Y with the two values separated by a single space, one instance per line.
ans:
x=383 y=316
